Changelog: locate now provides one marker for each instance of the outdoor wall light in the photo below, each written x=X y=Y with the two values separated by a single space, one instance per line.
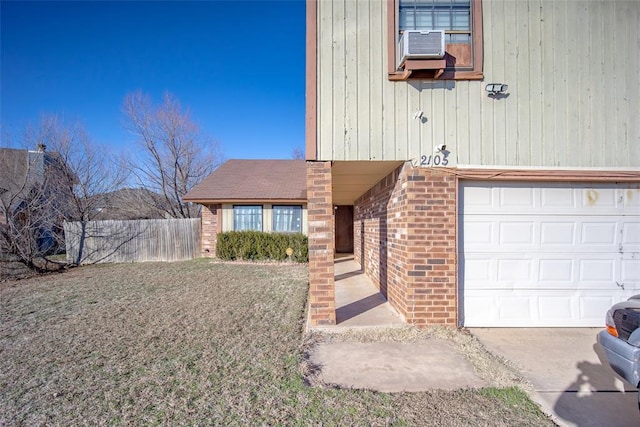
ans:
x=496 y=88
x=418 y=115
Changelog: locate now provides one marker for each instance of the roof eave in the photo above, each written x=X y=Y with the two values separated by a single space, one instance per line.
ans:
x=226 y=201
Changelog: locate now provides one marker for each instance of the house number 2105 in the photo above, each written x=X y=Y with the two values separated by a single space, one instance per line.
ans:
x=434 y=160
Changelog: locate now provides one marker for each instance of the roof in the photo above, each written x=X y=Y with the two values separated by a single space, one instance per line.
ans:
x=19 y=171
x=238 y=180
x=128 y=203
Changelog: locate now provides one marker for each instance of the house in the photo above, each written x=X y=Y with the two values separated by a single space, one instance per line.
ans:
x=484 y=155
x=128 y=204
x=20 y=171
x=262 y=195
x=32 y=200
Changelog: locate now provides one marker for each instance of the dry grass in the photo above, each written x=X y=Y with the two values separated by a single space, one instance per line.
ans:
x=192 y=343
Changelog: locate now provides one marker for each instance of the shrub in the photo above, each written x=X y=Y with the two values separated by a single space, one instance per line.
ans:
x=260 y=246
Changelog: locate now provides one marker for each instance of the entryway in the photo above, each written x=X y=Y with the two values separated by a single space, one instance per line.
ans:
x=344 y=229
x=358 y=302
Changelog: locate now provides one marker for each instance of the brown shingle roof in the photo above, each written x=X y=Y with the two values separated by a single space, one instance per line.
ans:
x=253 y=180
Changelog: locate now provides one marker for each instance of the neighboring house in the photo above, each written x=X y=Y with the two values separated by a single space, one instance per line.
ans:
x=476 y=204
x=128 y=204
x=31 y=193
x=20 y=171
x=261 y=195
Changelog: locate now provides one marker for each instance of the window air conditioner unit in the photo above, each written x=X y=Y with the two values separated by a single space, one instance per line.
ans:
x=421 y=44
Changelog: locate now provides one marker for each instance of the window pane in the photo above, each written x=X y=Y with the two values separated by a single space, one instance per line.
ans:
x=442 y=20
x=434 y=15
x=287 y=219
x=460 y=20
x=247 y=218
x=424 y=20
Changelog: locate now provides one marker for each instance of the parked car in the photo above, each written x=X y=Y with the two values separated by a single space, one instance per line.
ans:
x=621 y=340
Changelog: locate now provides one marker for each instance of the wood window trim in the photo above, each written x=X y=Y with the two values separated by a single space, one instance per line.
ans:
x=413 y=68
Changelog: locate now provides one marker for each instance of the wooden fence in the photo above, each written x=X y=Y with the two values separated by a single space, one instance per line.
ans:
x=132 y=241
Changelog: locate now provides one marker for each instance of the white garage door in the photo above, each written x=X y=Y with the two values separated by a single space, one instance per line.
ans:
x=557 y=254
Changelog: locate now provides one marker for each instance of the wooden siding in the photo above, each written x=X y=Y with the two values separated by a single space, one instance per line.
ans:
x=574 y=89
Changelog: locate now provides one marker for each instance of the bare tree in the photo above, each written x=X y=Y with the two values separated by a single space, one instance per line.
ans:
x=28 y=207
x=88 y=171
x=297 y=153
x=86 y=176
x=175 y=155
x=66 y=179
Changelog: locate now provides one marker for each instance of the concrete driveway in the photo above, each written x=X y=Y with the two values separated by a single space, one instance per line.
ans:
x=569 y=374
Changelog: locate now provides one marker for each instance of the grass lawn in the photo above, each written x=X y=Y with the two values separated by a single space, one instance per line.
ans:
x=193 y=343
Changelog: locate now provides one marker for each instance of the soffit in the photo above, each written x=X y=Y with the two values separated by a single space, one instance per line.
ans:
x=351 y=179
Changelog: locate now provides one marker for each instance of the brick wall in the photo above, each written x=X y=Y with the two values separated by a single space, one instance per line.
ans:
x=211 y=226
x=405 y=239
x=321 y=244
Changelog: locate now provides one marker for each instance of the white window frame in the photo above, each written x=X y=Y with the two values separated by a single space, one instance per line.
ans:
x=295 y=221
x=250 y=226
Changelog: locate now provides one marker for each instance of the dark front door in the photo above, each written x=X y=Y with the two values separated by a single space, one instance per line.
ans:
x=344 y=228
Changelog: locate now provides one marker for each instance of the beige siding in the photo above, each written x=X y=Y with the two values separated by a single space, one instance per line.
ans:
x=574 y=89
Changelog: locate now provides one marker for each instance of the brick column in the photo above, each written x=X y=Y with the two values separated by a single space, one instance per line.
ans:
x=430 y=281
x=322 y=302
x=211 y=226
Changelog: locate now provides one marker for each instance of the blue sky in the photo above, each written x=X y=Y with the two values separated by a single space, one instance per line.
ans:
x=239 y=66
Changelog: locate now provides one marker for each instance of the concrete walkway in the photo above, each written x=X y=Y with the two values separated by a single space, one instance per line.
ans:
x=568 y=370
x=430 y=364
x=427 y=364
x=358 y=302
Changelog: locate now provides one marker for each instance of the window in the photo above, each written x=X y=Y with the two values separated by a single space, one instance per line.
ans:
x=247 y=218
x=461 y=21
x=453 y=16
x=287 y=219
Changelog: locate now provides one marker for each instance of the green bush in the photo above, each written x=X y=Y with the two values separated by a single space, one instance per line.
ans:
x=260 y=246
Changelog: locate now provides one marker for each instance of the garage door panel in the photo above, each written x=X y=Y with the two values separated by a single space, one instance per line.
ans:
x=478 y=198
x=599 y=198
x=631 y=235
x=479 y=233
x=478 y=270
x=600 y=271
x=546 y=308
x=557 y=308
x=547 y=254
x=553 y=271
x=554 y=198
x=557 y=233
x=550 y=232
x=630 y=273
x=516 y=233
x=479 y=310
x=598 y=233
x=515 y=197
x=631 y=197
x=516 y=308
x=515 y=271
